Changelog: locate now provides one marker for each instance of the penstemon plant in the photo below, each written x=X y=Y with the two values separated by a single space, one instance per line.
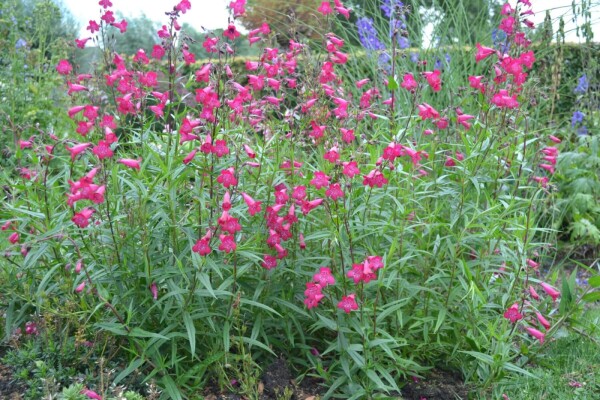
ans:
x=366 y=230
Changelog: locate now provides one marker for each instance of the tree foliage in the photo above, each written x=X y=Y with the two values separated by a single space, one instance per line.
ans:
x=289 y=19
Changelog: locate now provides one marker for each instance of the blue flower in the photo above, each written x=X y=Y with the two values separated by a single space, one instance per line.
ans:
x=498 y=37
x=582 y=131
x=385 y=61
x=577 y=118
x=391 y=6
x=20 y=43
x=582 y=85
x=403 y=42
x=368 y=35
x=414 y=57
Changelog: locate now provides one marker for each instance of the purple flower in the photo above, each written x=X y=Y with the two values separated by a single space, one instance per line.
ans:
x=368 y=35
x=20 y=43
x=403 y=42
x=414 y=57
x=582 y=85
x=389 y=7
x=577 y=118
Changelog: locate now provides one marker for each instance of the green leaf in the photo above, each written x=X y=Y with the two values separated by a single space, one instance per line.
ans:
x=256 y=343
x=440 y=319
x=485 y=358
x=392 y=84
x=513 y=368
x=133 y=365
x=138 y=332
x=171 y=388
x=590 y=297
x=191 y=331
x=594 y=281
x=259 y=305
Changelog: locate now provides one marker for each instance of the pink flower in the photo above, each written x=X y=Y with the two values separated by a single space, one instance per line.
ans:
x=350 y=169
x=408 y=82
x=64 y=67
x=536 y=334
x=434 y=80
x=183 y=6
x=227 y=243
x=426 y=111
x=325 y=8
x=108 y=17
x=348 y=303
x=533 y=293
x=254 y=207
x=80 y=287
x=320 y=180
x=483 y=52
x=334 y=191
x=507 y=25
x=513 y=314
x=238 y=7
x=324 y=277
x=82 y=218
x=462 y=120
x=14 y=238
x=269 y=262
x=31 y=328
x=550 y=291
x=158 y=52
x=122 y=26
x=81 y=42
x=313 y=295
x=202 y=246
x=135 y=164
x=102 y=150
x=77 y=149
x=227 y=178
x=154 y=290
x=231 y=32
x=90 y=393
x=542 y=320
x=554 y=139
x=93 y=26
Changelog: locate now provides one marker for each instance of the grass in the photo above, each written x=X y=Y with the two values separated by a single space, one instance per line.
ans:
x=566 y=362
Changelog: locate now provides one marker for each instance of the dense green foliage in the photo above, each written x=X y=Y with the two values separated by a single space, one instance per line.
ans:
x=192 y=221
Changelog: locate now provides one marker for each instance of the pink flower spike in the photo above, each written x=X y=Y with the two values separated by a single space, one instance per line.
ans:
x=536 y=334
x=550 y=291
x=135 y=164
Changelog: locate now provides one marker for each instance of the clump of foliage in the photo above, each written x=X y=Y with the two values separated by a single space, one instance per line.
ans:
x=366 y=229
